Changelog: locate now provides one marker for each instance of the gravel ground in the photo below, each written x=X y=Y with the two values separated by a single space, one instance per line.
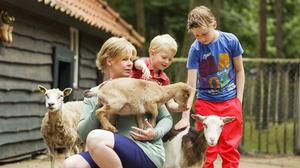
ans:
x=246 y=162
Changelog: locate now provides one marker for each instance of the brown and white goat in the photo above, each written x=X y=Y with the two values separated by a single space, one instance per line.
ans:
x=60 y=122
x=187 y=149
x=128 y=96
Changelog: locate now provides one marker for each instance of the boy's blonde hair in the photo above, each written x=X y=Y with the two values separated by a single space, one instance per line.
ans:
x=114 y=48
x=163 y=42
x=200 y=16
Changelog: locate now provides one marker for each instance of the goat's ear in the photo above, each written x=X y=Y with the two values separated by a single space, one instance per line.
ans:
x=198 y=117
x=67 y=91
x=42 y=89
x=227 y=119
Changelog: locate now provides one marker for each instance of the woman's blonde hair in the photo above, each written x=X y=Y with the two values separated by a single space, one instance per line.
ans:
x=114 y=49
x=200 y=16
x=163 y=42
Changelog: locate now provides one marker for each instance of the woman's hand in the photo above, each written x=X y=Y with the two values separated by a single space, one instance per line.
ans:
x=141 y=134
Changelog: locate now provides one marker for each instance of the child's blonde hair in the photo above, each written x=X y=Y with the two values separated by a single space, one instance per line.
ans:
x=200 y=16
x=163 y=42
x=114 y=48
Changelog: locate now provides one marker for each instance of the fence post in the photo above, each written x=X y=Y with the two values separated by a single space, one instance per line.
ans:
x=298 y=116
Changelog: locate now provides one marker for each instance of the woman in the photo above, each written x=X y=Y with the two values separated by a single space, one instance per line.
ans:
x=131 y=147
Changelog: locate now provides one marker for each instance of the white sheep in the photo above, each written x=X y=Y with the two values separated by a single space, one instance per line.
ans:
x=187 y=149
x=128 y=96
x=60 y=121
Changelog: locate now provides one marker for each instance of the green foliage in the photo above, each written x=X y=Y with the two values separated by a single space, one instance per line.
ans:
x=238 y=17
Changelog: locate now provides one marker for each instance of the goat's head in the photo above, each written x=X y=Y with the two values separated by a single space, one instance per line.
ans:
x=54 y=98
x=183 y=94
x=213 y=126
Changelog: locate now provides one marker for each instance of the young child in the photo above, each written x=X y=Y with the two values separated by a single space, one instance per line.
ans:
x=216 y=70
x=162 y=50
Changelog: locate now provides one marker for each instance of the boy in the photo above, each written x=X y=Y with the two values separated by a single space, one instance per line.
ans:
x=215 y=62
x=162 y=50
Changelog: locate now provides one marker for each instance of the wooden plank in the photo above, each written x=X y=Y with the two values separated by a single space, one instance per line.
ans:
x=84 y=53
x=23 y=148
x=42 y=29
x=11 y=55
x=19 y=124
x=20 y=96
x=88 y=63
x=16 y=84
x=22 y=42
x=87 y=73
x=22 y=109
x=78 y=94
x=8 y=138
x=42 y=73
x=86 y=83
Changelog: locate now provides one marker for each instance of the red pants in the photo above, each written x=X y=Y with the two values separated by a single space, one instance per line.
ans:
x=231 y=133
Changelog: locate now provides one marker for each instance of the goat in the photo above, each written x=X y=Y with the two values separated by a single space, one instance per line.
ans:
x=126 y=96
x=187 y=149
x=60 y=121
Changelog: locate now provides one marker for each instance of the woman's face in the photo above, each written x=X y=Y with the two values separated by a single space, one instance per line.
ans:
x=121 y=67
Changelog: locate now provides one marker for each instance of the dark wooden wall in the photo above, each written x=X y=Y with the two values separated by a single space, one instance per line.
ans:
x=24 y=64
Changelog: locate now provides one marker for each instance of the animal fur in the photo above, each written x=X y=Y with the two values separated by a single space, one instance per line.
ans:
x=60 y=122
x=128 y=96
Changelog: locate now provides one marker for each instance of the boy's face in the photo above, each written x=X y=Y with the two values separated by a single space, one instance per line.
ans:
x=161 y=59
x=204 y=35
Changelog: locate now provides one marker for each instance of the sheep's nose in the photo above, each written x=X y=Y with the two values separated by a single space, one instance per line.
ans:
x=51 y=104
x=212 y=140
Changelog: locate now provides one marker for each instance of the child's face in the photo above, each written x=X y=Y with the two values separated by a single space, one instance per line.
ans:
x=205 y=35
x=161 y=59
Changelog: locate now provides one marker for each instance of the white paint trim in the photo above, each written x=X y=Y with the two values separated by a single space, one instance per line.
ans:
x=74 y=46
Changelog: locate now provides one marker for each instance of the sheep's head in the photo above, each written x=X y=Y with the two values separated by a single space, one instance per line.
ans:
x=213 y=126
x=54 y=98
x=183 y=94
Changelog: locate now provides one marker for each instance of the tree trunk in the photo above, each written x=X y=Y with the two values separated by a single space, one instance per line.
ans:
x=139 y=7
x=263 y=28
x=278 y=36
x=217 y=11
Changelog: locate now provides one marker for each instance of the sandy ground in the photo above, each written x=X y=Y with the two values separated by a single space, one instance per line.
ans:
x=246 y=162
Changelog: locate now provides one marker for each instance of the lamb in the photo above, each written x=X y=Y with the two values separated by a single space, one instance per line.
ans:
x=187 y=149
x=60 y=121
x=126 y=96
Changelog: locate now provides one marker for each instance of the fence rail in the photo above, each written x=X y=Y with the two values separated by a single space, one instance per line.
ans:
x=271 y=109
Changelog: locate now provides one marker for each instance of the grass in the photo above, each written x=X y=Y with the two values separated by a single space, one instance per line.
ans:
x=271 y=139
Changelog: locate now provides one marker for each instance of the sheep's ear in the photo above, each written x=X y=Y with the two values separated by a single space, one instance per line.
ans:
x=42 y=89
x=198 y=117
x=227 y=119
x=67 y=91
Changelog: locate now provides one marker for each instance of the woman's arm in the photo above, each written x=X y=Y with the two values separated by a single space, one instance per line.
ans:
x=88 y=120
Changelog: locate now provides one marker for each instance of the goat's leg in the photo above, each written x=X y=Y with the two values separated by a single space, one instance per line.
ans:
x=51 y=151
x=140 y=121
x=103 y=118
x=152 y=109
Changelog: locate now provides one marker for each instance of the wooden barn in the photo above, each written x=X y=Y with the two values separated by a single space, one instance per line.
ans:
x=54 y=43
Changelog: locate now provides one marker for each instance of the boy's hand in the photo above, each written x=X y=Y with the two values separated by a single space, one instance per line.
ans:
x=146 y=73
x=183 y=123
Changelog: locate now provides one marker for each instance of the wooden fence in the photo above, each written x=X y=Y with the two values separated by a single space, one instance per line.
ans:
x=270 y=107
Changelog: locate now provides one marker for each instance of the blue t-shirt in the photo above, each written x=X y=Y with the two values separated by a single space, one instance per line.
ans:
x=216 y=78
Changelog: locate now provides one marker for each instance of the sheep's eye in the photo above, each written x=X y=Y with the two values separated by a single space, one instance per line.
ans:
x=47 y=96
x=60 y=96
x=204 y=125
x=221 y=126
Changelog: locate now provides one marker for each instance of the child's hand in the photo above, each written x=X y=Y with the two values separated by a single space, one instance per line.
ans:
x=146 y=73
x=183 y=123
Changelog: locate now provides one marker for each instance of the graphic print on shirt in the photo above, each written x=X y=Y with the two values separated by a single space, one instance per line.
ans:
x=214 y=75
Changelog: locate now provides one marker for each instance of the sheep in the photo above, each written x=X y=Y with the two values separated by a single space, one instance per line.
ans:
x=59 y=124
x=126 y=96
x=187 y=149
